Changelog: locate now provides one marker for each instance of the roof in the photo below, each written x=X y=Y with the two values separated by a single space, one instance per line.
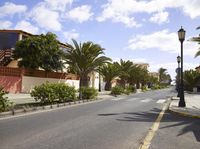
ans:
x=29 y=34
x=16 y=31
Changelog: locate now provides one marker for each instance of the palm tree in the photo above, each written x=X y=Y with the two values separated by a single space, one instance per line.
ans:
x=124 y=68
x=162 y=74
x=109 y=72
x=138 y=75
x=191 y=79
x=85 y=58
x=196 y=39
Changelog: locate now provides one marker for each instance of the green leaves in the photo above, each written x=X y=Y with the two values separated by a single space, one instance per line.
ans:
x=191 y=79
x=85 y=58
x=39 y=51
x=52 y=92
x=4 y=103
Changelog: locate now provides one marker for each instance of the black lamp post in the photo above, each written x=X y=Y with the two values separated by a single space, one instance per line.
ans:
x=181 y=36
x=178 y=75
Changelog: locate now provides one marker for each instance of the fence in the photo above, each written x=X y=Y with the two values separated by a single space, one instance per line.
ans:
x=8 y=71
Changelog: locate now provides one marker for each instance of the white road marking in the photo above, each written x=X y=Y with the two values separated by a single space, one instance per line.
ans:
x=116 y=99
x=132 y=99
x=146 y=100
x=145 y=144
x=161 y=101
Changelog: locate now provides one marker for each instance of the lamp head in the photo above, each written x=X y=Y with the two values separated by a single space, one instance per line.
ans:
x=181 y=34
x=178 y=59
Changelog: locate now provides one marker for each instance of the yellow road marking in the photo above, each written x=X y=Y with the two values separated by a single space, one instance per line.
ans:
x=151 y=133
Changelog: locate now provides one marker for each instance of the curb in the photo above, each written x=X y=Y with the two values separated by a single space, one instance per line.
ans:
x=25 y=111
x=13 y=112
x=184 y=114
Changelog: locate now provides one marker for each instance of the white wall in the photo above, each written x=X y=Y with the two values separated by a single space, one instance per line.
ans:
x=28 y=83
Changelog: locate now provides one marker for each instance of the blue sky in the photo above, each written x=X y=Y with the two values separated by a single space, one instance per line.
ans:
x=136 y=30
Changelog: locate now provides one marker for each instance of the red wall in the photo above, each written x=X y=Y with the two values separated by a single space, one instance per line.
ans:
x=11 y=84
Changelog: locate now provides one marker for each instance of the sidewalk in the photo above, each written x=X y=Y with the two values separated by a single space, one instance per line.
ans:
x=22 y=98
x=192 y=108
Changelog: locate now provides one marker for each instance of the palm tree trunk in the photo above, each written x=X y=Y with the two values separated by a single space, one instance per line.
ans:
x=84 y=82
x=108 y=86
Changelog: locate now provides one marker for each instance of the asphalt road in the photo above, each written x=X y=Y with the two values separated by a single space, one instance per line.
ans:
x=115 y=123
x=177 y=132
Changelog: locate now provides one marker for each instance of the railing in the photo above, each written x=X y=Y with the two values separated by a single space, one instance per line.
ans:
x=5 y=55
x=8 y=71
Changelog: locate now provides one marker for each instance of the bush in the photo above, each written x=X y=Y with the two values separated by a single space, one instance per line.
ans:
x=131 y=88
x=89 y=93
x=52 y=92
x=157 y=87
x=4 y=103
x=144 y=88
x=117 y=90
x=44 y=93
x=64 y=92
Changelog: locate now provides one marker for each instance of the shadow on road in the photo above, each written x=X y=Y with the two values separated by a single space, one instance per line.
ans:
x=189 y=124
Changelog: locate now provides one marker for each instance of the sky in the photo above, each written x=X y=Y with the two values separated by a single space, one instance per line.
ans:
x=143 y=31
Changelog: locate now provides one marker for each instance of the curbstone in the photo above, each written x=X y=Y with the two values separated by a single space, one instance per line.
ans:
x=27 y=110
x=184 y=113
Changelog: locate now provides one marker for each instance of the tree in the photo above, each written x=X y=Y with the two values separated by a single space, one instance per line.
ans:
x=138 y=75
x=197 y=39
x=39 y=51
x=85 y=58
x=191 y=79
x=109 y=72
x=164 y=78
x=124 y=70
x=162 y=74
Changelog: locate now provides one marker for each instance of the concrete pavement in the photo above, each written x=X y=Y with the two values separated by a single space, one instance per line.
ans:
x=23 y=98
x=192 y=108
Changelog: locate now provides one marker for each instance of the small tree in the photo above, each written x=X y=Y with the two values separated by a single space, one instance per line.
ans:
x=83 y=59
x=109 y=72
x=191 y=79
x=39 y=51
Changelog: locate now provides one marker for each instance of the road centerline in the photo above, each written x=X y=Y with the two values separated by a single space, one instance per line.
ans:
x=151 y=133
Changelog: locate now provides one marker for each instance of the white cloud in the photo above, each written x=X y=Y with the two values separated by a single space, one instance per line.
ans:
x=191 y=8
x=162 y=40
x=5 y=24
x=26 y=26
x=115 y=9
x=73 y=34
x=118 y=11
x=80 y=14
x=58 y=4
x=9 y=9
x=160 y=17
x=46 y=18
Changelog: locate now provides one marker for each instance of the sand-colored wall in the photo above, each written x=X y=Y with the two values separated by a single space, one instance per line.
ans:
x=28 y=83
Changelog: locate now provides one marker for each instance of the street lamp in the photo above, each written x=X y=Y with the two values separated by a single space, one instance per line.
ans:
x=178 y=75
x=181 y=36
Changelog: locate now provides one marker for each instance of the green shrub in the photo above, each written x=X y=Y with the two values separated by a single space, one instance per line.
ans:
x=157 y=87
x=117 y=90
x=44 y=93
x=64 y=92
x=4 y=103
x=52 y=92
x=89 y=93
x=131 y=88
x=144 y=88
